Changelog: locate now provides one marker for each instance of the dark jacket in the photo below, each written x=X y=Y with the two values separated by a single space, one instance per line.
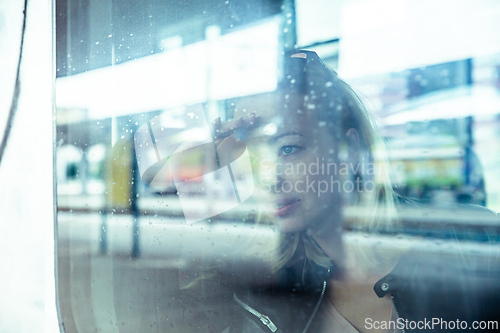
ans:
x=460 y=282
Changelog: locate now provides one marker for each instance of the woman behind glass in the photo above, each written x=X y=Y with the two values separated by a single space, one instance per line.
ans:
x=319 y=169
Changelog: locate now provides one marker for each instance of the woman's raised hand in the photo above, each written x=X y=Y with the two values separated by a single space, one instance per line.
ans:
x=222 y=130
x=228 y=148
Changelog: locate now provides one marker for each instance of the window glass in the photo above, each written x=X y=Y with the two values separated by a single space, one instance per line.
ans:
x=289 y=166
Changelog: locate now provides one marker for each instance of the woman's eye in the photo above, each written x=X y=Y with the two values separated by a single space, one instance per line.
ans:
x=288 y=150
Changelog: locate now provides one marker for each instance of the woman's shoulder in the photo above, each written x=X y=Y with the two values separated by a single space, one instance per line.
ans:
x=453 y=271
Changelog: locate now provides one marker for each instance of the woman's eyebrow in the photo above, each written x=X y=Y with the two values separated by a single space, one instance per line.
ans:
x=274 y=139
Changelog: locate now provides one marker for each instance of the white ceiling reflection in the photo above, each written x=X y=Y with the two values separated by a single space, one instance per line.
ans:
x=240 y=63
x=454 y=103
x=414 y=33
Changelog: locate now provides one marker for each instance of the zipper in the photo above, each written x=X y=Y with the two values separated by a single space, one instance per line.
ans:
x=263 y=318
x=316 y=307
x=397 y=313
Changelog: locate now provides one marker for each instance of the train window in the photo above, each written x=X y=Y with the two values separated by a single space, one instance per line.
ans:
x=283 y=166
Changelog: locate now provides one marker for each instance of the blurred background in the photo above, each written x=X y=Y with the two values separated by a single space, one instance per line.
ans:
x=428 y=71
x=430 y=78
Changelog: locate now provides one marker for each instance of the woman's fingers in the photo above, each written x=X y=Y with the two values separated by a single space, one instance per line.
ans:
x=228 y=127
x=221 y=130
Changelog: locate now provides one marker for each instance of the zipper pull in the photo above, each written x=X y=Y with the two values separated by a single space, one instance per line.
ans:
x=266 y=321
x=263 y=318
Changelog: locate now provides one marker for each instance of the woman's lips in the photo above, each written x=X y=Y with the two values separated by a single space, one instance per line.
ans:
x=285 y=206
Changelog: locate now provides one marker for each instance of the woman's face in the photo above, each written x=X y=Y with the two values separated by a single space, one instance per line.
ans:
x=294 y=155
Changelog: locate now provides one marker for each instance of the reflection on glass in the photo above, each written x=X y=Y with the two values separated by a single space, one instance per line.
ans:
x=213 y=178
